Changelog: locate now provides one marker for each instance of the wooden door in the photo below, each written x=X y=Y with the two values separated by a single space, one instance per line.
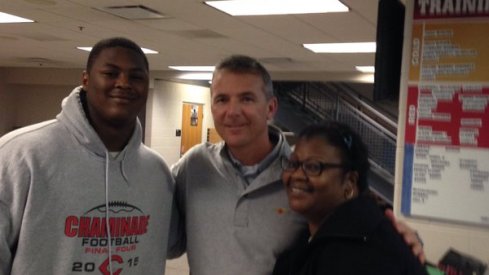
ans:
x=192 y=115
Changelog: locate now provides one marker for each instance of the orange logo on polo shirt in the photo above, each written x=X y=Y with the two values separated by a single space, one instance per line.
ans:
x=281 y=210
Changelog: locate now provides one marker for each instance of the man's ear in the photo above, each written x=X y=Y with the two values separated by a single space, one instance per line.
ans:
x=85 y=80
x=272 y=107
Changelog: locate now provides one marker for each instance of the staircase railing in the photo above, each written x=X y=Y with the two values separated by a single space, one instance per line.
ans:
x=325 y=101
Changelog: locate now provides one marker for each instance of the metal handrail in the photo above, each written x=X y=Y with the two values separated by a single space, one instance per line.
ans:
x=348 y=90
x=340 y=107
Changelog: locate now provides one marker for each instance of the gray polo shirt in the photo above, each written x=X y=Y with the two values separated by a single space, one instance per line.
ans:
x=233 y=225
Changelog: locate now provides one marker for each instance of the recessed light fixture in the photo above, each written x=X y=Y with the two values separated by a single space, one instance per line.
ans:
x=274 y=7
x=365 y=69
x=196 y=76
x=146 y=51
x=356 y=47
x=193 y=68
x=9 y=18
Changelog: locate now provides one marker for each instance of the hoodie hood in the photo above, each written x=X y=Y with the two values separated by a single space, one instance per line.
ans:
x=73 y=117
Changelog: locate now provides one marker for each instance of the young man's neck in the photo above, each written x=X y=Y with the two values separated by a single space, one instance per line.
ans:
x=115 y=139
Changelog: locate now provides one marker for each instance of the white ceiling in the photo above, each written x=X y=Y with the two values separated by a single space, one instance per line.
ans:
x=191 y=34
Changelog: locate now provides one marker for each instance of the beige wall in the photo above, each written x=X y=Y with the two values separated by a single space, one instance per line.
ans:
x=30 y=95
x=36 y=103
x=7 y=103
x=164 y=115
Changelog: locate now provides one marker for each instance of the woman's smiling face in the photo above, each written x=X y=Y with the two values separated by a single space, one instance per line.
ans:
x=317 y=196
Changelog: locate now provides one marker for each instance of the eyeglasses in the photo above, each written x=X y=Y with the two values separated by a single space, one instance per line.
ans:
x=311 y=168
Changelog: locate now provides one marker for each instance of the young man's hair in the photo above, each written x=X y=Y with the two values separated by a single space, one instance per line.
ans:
x=112 y=43
x=353 y=150
x=246 y=64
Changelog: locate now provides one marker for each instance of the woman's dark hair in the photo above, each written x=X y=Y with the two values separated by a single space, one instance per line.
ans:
x=112 y=43
x=354 y=151
x=246 y=64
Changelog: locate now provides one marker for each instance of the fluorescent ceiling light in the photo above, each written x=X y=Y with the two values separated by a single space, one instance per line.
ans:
x=9 y=18
x=146 y=51
x=365 y=69
x=196 y=76
x=193 y=68
x=87 y=49
x=358 y=47
x=365 y=78
x=273 y=7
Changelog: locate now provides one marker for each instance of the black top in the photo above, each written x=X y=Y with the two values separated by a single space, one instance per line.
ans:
x=356 y=239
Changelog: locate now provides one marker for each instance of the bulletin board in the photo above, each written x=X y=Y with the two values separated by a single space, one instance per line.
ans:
x=446 y=142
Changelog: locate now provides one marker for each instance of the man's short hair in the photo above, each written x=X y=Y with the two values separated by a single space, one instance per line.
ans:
x=112 y=43
x=246 y=64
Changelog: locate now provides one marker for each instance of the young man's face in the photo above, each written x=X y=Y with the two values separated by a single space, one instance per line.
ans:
x=240 y=108
x=116 y=86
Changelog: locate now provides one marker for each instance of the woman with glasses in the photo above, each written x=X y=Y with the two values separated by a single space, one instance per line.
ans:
x=326 y=182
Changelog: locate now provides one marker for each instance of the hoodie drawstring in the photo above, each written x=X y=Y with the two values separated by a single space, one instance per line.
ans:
x=107 y=223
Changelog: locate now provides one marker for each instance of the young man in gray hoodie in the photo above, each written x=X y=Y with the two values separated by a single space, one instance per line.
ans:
x=64 y=182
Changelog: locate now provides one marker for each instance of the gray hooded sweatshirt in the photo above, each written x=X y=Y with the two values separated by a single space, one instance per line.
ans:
x=60 y=188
